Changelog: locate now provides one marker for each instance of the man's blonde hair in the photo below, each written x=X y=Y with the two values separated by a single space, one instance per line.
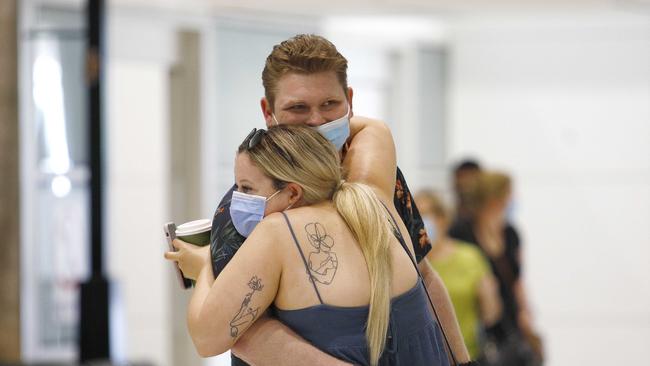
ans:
x=301 y=155
x=302 y=54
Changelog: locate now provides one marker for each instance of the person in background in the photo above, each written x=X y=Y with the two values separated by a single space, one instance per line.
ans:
x=487 y=227
x=464 y=270
x=465 y=174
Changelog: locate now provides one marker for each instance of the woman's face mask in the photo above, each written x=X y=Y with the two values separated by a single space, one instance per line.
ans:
x=247 y=210
x=430 y=228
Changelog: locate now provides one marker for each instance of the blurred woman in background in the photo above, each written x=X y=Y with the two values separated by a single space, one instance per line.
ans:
x=516 y=341
x=464 y=270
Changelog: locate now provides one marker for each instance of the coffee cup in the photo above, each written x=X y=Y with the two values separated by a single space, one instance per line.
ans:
x=195 y=232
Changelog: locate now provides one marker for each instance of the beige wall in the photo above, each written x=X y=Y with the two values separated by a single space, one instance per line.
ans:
x=9 y=225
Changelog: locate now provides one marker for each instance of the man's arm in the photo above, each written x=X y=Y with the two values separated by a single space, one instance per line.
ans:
x=269 y=342
x=371 y=155
x=445 y=310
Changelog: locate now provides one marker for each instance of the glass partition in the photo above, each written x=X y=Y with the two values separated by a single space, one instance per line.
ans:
x=55 y=180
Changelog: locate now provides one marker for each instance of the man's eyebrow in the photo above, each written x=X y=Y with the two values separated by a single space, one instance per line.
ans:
x=288 y=102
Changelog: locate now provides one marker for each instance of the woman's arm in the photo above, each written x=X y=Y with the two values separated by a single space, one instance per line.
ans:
x=524 y=317
x=525 y=320
x=489 y=299
x=221 y=310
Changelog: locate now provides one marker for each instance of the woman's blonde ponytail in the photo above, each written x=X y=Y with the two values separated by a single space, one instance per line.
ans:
x=364 y=214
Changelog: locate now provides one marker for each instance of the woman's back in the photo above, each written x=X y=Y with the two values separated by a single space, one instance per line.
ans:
x=334 y=259
x=332 y=312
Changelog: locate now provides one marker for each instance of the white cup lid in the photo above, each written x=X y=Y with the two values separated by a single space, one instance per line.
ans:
x=193 y=227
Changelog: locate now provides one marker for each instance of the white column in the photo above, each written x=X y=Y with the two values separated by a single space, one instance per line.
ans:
x=137 y=177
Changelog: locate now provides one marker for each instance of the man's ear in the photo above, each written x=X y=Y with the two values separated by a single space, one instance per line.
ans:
x=295 y=194
x=350 y=93
x=267 y=112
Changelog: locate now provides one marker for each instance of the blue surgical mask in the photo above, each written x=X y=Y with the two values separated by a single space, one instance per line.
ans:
x=247 y=210
x=337 y=131
x=430 y=227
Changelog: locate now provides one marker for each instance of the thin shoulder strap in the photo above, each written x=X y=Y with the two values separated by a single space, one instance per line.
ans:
x=302 y=255
x=400 y=238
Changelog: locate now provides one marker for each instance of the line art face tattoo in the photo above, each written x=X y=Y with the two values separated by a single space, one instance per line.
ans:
x=246 y=314
x=323 y=262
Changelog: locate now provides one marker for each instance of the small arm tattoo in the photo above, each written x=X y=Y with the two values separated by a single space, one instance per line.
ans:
x=323 y=263
x=246 y=314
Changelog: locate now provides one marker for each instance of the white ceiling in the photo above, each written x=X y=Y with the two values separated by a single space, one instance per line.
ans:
x=389 y=7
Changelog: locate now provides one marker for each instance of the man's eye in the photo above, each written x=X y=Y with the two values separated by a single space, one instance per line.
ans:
x=298 y=107
x=331 y=103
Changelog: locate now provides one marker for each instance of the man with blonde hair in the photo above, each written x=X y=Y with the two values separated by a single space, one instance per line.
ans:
x=305 y=82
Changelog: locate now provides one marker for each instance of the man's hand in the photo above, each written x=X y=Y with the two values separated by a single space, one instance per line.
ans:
x=191 y=258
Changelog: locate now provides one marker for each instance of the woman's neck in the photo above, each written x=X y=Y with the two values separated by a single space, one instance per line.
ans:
x=489 y=234
x=489 y=221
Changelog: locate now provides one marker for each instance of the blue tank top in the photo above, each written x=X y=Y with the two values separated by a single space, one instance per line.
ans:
x=413 y=338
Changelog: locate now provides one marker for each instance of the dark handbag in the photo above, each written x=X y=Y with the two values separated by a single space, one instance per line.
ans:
x=511 y=350
x=508 y=346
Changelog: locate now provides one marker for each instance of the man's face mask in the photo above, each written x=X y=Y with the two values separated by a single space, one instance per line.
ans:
x=337 y=131
x=247 y=210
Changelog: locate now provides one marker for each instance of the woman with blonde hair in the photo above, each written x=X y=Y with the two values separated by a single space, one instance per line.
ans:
x=516 y=341
x=322 y=258
x=465 y=271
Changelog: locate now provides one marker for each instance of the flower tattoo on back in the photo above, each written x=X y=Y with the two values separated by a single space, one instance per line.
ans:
x=323 y=263
x=246 y=314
